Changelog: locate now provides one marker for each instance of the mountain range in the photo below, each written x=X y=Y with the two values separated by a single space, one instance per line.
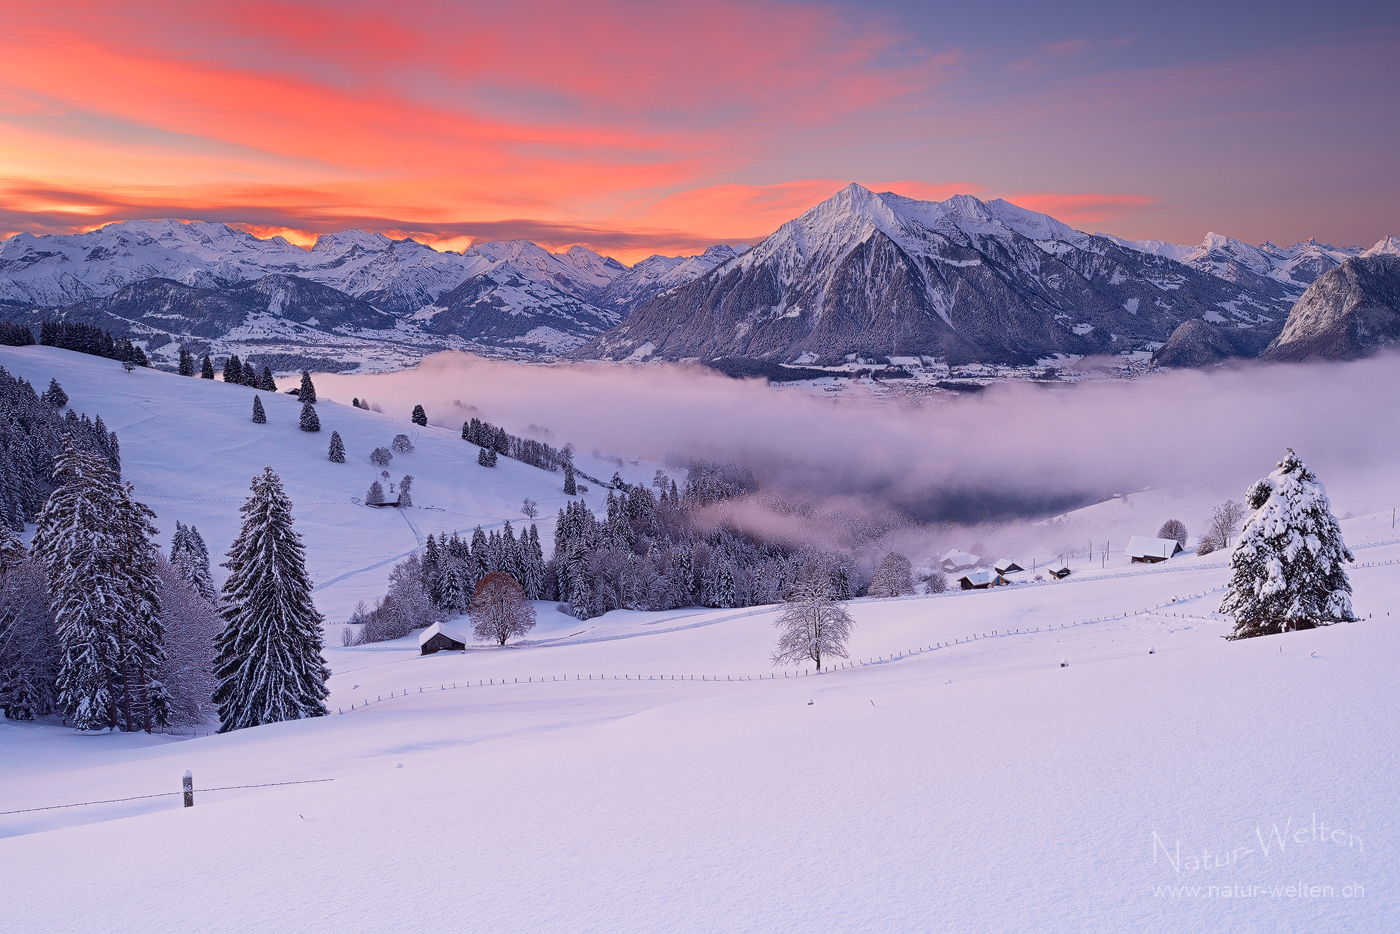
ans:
x=861 y=274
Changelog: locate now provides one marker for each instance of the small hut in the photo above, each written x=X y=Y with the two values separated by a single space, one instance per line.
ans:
x=1143 y=549
x=1007 y=566
x=1058 y=571
x=438 y=637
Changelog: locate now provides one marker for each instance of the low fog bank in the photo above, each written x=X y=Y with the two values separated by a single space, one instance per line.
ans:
x=921 y=475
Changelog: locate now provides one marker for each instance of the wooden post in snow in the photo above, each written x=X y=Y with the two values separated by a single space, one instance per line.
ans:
x=189 y=788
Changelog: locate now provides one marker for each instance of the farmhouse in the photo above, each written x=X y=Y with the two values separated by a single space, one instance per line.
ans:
x=956 y=560
x=981 y=580
x=1145 y=550
x=438 y=637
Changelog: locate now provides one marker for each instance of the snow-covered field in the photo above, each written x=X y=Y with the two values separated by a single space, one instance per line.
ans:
x=654 y=772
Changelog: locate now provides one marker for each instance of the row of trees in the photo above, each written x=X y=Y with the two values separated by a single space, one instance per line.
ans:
x=90 y=339
x=493 y=438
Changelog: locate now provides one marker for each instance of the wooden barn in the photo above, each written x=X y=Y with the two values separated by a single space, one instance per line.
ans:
x=1145 y=550
x=438 y=637
x=1058 y=571
x=1007 y=566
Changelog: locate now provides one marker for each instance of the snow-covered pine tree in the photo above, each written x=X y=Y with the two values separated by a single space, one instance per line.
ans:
x=265 y=382
x=405 y=491
x=233 y=370
x=813 y=625
x=94 y=541
x=375 y=496
x=337 y=450
x=259 y=416
x=206 y=368
x=307 y=392
x=29 y=654
x=11 y=548
x=532 y=564
x=54 y=395
x=190 y=624
x=570 y=488
x=486 y=457
x=310 y=421
x=420 y=417
x=250 y=375
x=1289 y=569
x=268 y=664
x=190 y=556
x=186 y=362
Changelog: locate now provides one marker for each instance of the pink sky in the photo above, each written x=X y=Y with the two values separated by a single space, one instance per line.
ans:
x=639 y=128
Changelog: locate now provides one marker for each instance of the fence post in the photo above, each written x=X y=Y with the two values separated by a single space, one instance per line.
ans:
x=189 y=788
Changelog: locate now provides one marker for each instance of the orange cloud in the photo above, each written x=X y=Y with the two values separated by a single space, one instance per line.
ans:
x=1085 y=210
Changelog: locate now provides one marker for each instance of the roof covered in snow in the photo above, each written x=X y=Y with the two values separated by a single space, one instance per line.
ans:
x=445 y=630
x=1145 y=546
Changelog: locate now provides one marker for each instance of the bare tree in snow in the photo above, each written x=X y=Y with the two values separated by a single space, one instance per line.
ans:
x=380 y=457
x=893 y=578
x=1225 y=522
x=1173 y=530
x=813 y=626
x=499 y=609
x=530 y=508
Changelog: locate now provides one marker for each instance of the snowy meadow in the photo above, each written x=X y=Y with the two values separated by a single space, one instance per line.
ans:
x=1086 y=753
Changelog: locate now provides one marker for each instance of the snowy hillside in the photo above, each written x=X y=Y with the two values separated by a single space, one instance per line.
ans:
x=1088 y=753
x=952 y=777
x=191 y=449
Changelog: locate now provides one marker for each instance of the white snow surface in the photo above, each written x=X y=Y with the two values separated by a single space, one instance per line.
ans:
x=1085 y=755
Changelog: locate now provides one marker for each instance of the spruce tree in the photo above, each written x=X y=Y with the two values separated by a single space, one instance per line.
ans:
x=233 y=370
x=570 y=488
x=337 y=451
x=268 y=664
x=259 y=416
x=55 y=396
x=307 y=393
x=206 y=368
x=265 y=382
x=375 y=496
x=420 y=417
x=310 y=421
x=250 y=375
x=190 y=556
x=1289 y=569
x=186 y=362
x=94 y=540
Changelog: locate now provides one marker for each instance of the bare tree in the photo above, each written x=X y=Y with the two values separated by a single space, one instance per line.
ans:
x=1173 y=530
x=402 y=444
x=893 y=578
x=1225 y=522
x=499 y=609
x=530 y=508
x=380 y=457
x=813 y=626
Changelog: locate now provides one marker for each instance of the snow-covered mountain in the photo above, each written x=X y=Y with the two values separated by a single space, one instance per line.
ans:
x=1293 y=268
x=165 y=281
x=657 y=274
x=1348 y=312
x=964 y=279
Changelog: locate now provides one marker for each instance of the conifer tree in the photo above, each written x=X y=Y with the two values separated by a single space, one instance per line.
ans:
x=405 y=491
x=268 y=664
x=307 y=393
x=259 y=416
x=1289 y=569
x=570 y=488
x=265 y=382
x=486 y=457
x=250 y=375
x=206 y=368
x=337 y=450
x=94 y=540
x=55 y=396
x=190 y=556
x=233 y=370
x=186 y=362
x=310 y=421
x=420 y=417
